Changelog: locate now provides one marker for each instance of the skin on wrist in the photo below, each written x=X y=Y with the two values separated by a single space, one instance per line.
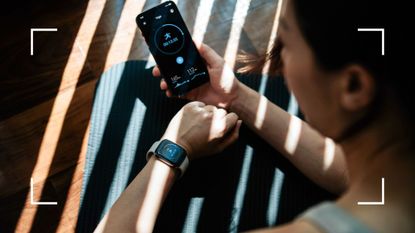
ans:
x=158 y=162
x=241 y=96
x=234 y=95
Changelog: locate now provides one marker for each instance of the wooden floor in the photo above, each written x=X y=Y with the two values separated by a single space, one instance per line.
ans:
x=46 y=99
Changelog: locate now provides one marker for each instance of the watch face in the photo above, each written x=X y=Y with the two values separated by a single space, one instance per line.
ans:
x=171 y=152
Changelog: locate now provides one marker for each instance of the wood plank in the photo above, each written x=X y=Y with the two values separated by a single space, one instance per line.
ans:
x=60 y=218
x=18 y=133
x=29 y=80
x=46 y=99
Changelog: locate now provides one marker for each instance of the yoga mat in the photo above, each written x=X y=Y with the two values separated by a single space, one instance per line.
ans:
x=249 y=185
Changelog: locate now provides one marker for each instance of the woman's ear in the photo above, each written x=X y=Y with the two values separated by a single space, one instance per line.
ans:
x=357 y=88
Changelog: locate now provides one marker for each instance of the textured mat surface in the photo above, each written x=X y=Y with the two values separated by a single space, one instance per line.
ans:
x=249 y=185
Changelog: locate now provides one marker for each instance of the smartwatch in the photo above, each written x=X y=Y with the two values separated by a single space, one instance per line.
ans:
x=170 y=153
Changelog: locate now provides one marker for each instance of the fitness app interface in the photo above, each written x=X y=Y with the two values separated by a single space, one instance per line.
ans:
x=172 y=47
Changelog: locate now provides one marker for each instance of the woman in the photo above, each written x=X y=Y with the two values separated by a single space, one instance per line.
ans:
x=343 y=85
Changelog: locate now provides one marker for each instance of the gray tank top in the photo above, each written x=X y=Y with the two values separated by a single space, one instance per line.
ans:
x=330 y=218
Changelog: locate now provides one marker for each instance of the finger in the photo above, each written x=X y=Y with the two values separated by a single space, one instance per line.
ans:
x=233 y=136
x=220 y=112
x=230 y=120
x=196 y=104
x=169 y=94
x=210 y=56
x=210 y=108
x=156 y=71
x=163 y=85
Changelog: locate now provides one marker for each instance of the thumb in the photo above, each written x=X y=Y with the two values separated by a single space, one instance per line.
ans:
x=231 y=119
x=233 y=136
x=211 y=57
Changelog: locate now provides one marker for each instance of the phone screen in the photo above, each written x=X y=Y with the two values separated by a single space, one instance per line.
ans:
x=172 y=47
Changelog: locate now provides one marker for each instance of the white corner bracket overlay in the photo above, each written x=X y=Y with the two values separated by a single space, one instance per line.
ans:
x=376 y=202
x=382 y=30
x=38 y=202
x=32 y=30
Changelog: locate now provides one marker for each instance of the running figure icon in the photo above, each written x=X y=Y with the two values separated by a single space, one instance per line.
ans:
x=167 y=36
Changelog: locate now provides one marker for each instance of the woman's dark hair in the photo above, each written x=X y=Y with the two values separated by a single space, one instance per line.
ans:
x=330 y=27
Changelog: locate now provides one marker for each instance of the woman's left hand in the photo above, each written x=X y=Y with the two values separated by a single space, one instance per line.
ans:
x=203 y=129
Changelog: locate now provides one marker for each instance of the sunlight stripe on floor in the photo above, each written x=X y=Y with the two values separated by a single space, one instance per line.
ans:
x=238 y=21
x=274 y=197
x=202 y=20
x=193 y=214
x=124 y=35
x=272 y=38
x=127 y=154
x=241 y=190
x=61 y=105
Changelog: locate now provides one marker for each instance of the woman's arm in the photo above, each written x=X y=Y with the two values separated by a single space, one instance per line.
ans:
x=271 y=123
x=201 y=130
x=137 y=208
x=316 y=156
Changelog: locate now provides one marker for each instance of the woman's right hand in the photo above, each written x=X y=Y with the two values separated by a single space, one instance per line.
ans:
x=223 y=86
x=203 y=129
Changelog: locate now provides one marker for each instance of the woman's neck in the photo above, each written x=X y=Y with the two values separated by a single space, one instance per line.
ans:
x=379 y=148
x=383 y=149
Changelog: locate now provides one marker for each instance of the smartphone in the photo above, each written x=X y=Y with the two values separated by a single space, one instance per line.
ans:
x=172 y=47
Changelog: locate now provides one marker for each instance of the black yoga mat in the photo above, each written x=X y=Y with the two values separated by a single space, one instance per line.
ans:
x=248 y=186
